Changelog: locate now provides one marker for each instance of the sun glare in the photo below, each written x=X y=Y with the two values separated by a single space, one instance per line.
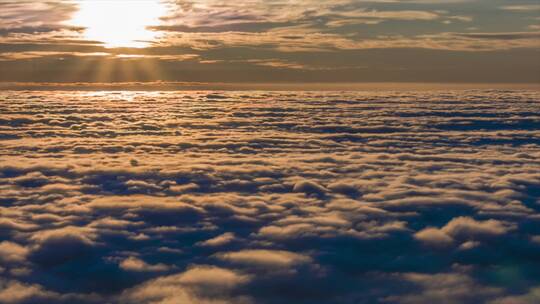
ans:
x=119 y=23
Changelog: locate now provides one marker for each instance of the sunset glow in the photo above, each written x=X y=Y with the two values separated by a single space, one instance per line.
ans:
x=110 y=22
x=269 y=152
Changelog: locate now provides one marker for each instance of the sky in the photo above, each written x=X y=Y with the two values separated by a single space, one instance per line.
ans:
x=276 y=41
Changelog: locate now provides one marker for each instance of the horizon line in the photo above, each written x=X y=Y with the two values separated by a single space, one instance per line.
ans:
x=259 y=86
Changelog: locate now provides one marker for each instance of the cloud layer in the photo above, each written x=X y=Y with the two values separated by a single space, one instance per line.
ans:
x=262 y=197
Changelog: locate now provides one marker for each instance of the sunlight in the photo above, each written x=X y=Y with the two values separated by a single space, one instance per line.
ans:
x=119 y=23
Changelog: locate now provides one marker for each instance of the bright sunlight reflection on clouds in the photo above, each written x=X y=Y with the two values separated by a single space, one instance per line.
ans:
x=119 y=23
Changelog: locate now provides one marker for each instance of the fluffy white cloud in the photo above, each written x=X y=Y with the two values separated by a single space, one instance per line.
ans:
x=12 y=252
x=264 y=258
x=135 y=264
x=12 y=292
x=190 y=287
x=219 y=240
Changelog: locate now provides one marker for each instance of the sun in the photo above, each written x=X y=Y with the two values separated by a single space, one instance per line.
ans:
x=119 y=23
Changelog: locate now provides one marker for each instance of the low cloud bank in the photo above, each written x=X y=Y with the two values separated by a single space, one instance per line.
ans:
x=266 y=197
